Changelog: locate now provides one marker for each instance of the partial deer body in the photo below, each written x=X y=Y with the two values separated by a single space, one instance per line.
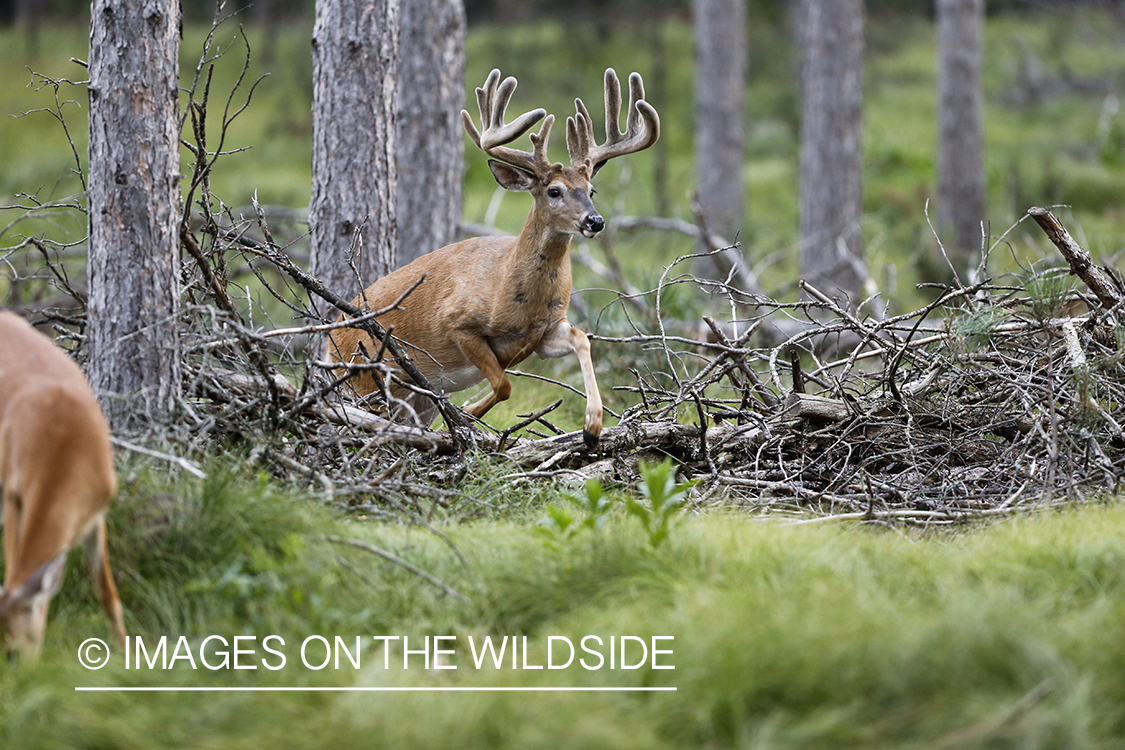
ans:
x=488 y=303
x=56 y=467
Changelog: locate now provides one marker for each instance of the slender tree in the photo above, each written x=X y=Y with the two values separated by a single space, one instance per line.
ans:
x=28 y=16
x=134 y=198
x=267 y=16
x=720 y=79
x=430 y=142
x=352 y=211
x=960 y=162
x=831 y=199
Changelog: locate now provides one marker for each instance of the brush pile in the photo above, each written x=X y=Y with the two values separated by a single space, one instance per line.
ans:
x=991 y=399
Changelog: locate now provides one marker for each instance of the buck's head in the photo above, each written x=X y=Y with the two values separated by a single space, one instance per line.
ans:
x=562 y=194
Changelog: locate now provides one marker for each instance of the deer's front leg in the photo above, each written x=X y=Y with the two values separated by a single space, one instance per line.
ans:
x=480 y=354
x=562 y=340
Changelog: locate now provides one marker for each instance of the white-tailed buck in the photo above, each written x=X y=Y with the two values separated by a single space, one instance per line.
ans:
x=56 y=468
x=488 y=303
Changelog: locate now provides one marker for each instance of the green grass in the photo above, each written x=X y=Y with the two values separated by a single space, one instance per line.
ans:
x=802 y=636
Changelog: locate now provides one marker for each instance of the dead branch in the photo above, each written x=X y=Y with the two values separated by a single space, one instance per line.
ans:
x=390 y=557
x=1078 y=259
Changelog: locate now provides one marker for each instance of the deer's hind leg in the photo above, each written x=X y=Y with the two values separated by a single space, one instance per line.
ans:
x=97 y=555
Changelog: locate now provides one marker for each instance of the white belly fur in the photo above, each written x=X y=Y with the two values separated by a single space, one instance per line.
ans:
x=453 y=380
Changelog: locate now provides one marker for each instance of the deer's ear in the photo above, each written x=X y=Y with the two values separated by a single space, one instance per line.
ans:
x=512 y=178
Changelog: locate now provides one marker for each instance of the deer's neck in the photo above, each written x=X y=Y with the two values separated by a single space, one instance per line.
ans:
x=538 y=238
x=540 y=262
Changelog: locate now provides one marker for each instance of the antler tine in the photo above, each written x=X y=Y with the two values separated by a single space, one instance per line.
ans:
x=492 y=100
x=613 y=105
x=579 y=135
x=642 y=127
x=539 y=141
x=484 y=104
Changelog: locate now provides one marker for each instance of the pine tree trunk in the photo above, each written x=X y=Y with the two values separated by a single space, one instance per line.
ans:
x=720 y=63
x=831 y=198
x=266 y=15
x=28 y=15
x=355 y=57
x=430 y=146
x=656 y=92
x=134 y=201
x=960 y=162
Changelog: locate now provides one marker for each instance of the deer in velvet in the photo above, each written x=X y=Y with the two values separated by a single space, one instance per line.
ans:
x=487 y=303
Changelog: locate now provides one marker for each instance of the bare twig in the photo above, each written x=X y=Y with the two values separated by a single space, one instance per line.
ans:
x=390 y=557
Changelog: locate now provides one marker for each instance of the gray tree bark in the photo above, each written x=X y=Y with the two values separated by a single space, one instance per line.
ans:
x=355 y=59
x=720 y=78
x=430 y=144
x=831 y=196
x=960 y=158
x=134 y=203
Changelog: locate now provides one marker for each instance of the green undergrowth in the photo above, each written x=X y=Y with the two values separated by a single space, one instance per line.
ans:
x=824 y=635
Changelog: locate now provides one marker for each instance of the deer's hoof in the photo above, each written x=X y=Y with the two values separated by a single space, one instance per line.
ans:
x=590 y=439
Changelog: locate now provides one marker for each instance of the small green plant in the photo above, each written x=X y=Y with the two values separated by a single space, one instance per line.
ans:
x=1048 y=294
x=1111 y=137
x=976 y=328
x=561 y=524
x=665 y=497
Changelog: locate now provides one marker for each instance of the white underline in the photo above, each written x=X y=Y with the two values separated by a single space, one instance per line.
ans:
x=371 y=689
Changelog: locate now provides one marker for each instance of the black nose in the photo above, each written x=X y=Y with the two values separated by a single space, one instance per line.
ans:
x=595 y=223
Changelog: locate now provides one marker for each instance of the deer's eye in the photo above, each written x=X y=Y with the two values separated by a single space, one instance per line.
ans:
x=553 y=192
